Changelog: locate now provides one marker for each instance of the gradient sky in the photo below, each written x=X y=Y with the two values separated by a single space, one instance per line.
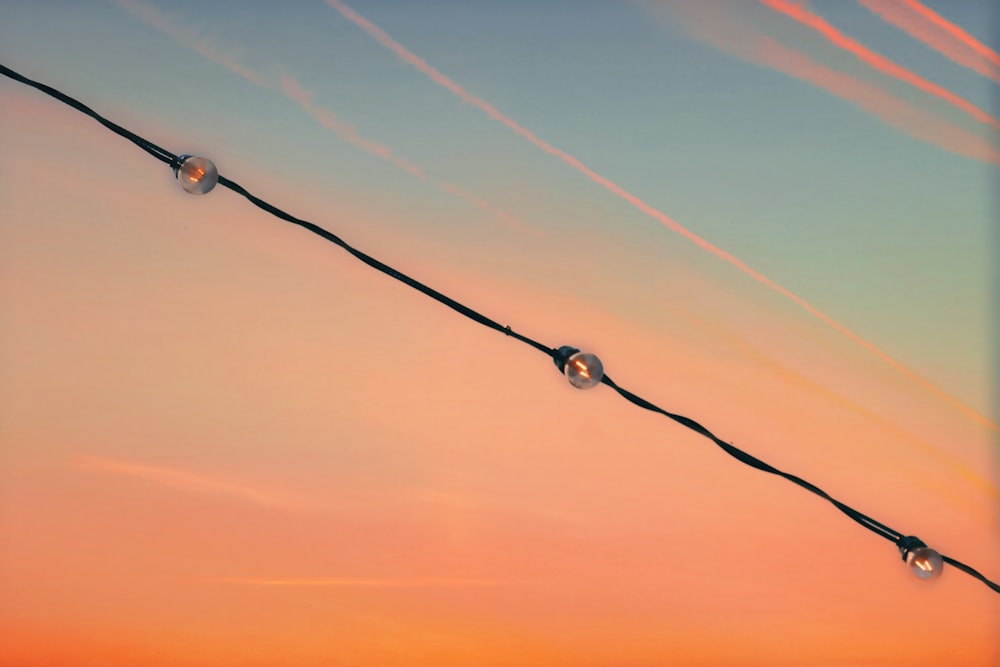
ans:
x=226 y=442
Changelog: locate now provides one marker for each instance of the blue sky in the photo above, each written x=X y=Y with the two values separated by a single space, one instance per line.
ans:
x=888 y=234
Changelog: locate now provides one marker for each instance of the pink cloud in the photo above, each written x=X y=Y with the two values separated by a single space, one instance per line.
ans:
x=924 y=25
x=876 y=61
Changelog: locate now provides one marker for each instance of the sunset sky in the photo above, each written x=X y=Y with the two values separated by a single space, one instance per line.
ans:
x=225 y=442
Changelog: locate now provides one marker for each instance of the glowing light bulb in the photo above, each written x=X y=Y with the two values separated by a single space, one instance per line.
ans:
x=925 y=563
x=583 y=370
x=197 y=175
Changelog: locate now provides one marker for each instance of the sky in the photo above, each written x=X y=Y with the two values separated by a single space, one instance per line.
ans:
x=226 y=442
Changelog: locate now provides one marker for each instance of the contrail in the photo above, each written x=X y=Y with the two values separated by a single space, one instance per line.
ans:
x=462 y=193
x=876 y=61
x=296 y=92
x=956 y=31
x=893 y=111
x=717 y=29
x=440 y=79
x=924 y=25
x=305 y=99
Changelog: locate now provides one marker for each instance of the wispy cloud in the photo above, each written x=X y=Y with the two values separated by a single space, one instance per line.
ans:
x=948 y=39
x=408 y=57
x=187 y=481
x=191 y=38
x=955 y=31
x=295 y=91
x=351 y=582
x=481 y=203
x=709 y=24
x=893 y=111
x=798 y=12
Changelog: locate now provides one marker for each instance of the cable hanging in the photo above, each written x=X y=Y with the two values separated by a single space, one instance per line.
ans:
x=198 y=175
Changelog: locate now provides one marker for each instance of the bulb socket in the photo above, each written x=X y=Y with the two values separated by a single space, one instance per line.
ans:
x=178 y=161
x=908 y=544
x=562 y=355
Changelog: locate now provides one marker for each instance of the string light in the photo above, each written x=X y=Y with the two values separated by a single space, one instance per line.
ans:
x=924 y=562
x=583 y=370
x=197 y=175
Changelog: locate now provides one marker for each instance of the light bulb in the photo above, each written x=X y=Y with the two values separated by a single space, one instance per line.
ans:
x=925 y=563
x=584 y=370
x=196 y=175
x=921 y=559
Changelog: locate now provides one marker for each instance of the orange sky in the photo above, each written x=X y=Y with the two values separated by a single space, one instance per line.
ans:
x=225 y=442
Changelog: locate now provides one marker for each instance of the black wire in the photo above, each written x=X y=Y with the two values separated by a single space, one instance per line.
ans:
x=557 y=355
x=148 y=146
x=473 y=315
x=971 y=571
x=752 y=461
